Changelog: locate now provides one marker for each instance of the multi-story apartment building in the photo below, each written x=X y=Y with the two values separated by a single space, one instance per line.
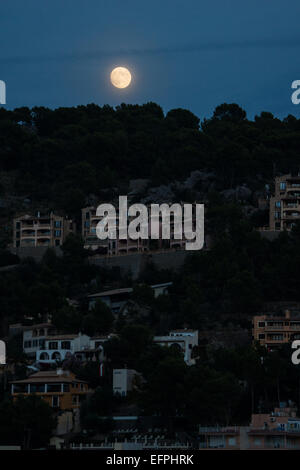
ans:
x=106 y=247
x=285 y=204
x=41 y=230
x=120 y=246
x=184 y=339
x=272 y=331
x=277 y=430
x=60 y=389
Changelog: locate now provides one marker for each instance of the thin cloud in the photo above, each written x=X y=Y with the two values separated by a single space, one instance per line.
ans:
x=176 y=49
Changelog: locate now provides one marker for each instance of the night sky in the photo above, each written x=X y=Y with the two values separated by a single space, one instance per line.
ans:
x=191 y=53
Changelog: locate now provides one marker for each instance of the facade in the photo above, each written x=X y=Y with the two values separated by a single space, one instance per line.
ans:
x=60 y=389
x=41 y=230
x=277 y=430
x=95 y=351
x=60 y=347
x=184 y=339
x=115 y=299
x=285 y=204
x=123 y=381
x=218 y=437
x=120 y=246
x=161 y=289
x=272 y=331
x=34 y=337
x=107 y=247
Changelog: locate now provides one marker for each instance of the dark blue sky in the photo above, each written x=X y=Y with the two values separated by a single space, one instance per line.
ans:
x=190 y=53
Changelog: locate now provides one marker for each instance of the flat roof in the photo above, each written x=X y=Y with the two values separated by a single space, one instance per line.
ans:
x=39 y=325
x=163 y=284
x=61 y=337
x=125 y=290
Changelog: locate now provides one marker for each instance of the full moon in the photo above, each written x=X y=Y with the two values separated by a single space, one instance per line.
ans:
x=120 y=77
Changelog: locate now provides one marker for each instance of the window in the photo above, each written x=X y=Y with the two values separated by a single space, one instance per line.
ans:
x=44 y=356
x=56 y=356
x=261 y=336
x=232 y=441
x=57 y=224
x=282 y=186
x=277 y=215
x=53 y=345
x=57 y=233
x=278 y=204
x=54 y=387
x=261 y=324
x=55 y=401
x=37 y=388
x=66 y=345
x=75 y=399
x=66 y=387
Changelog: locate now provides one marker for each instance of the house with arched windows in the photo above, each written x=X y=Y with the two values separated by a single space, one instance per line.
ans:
x=34 y=337
x=57 y=348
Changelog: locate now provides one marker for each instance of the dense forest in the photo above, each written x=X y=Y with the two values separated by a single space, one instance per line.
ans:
x=61 y=156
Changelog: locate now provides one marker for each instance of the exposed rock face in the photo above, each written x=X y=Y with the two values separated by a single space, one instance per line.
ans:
x=196 y=177
x=240 y=193
x=159 y=195
x=169 y=193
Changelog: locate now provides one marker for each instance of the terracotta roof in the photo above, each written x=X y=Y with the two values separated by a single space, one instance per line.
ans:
x=49 y=377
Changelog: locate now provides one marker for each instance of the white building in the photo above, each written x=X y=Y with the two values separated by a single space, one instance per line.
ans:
x=59 y=347
x=184 y=339
x=161 y=289
x=123 y=380
x=115 y=299
x=34 y=337
x=95 y=351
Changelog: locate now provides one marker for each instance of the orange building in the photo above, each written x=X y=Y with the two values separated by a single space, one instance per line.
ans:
x=272 y=331
x=277 y=430
x=60 y=389
x=285 y=204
